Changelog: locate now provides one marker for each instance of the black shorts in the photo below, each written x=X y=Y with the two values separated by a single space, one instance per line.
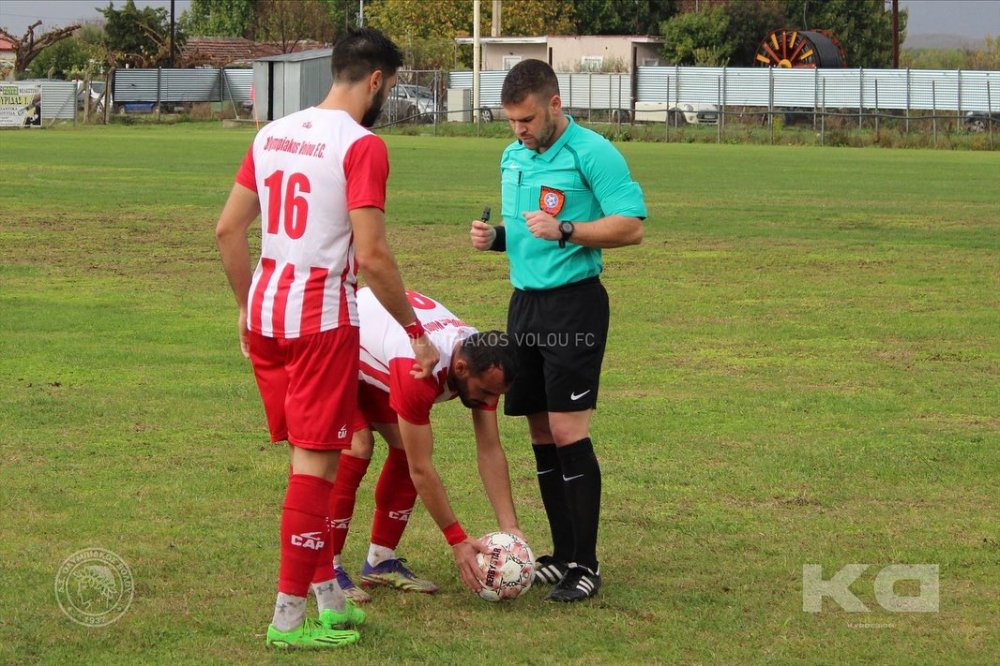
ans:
x=560 y=336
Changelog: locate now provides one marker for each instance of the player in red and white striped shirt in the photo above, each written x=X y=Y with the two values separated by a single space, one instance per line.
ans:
x=474 y=367
x=317 y=180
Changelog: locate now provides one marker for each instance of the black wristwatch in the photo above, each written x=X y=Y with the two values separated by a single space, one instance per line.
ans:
x=566 y=228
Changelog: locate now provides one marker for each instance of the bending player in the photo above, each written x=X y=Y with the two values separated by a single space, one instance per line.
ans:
x=475 y=367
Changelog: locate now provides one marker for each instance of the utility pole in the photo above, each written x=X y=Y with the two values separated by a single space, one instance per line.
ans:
x=895 y=34
x=495 y=26
x=173 y=49
x=475 y=60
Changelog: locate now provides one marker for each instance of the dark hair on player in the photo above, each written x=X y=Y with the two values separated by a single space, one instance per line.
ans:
x=489 y=349
x=529 y=77
x=360 y=51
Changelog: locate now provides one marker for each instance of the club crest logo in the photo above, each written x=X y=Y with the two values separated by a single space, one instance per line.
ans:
x=551 y=200
x=94 y=587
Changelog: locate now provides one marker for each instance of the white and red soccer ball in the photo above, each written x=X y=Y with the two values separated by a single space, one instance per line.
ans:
x=508 y=566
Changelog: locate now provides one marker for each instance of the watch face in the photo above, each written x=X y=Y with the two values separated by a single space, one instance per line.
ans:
x=566 y=227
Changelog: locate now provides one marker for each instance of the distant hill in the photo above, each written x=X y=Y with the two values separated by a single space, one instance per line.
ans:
x=939 y=41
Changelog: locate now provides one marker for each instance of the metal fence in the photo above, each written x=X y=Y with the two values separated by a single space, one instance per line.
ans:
x=886 y=89
x=583 y=91
x=177 y=86
x=58 y=99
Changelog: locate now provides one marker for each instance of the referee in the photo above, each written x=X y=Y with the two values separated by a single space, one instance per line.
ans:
x=567 y=193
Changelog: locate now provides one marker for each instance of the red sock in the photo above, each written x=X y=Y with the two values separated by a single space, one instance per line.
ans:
x=345 y=489
x=324 y=565
x=304 y=532
x=394 y=500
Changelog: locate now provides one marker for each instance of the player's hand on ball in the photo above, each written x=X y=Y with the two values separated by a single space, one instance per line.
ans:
x=468 y=566
x=542 y=225
x=507 y=568
x=516 y=532
x=482 y=235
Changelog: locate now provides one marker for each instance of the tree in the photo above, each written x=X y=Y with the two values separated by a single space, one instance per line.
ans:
x=28 y=47
x=80 y=56
x=621 y=17
x=750 y=21
x=138 y=38
x=534 y=17
x=423 y=29
x=289 y=23
x=697 y=38
x=220 y=18
x=863 y=27
x=987 y=58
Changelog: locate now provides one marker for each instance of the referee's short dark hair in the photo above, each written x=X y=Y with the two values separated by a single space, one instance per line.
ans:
x=360 y=51
x=529 y=77
x=489 y=349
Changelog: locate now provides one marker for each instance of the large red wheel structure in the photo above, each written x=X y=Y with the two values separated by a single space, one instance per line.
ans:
x=805 y=48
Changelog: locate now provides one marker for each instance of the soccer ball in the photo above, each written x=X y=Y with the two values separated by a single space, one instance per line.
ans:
x=508 y=568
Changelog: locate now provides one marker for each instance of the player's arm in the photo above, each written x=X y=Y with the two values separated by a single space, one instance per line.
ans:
x=606 y=232
x=241 y=209
x=608 y=178
x=493 y=469
x=378 y=265
x=366 y=167
x=418 y=441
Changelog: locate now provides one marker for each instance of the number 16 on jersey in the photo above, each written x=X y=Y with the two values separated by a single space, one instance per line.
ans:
x=285 y=201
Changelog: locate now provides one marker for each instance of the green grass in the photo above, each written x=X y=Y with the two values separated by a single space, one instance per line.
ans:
x=803 y=369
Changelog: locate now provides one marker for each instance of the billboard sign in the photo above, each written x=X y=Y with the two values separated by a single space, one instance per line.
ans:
x=20 y=105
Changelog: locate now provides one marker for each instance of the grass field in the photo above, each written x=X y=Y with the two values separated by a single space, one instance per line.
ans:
x=803 y=369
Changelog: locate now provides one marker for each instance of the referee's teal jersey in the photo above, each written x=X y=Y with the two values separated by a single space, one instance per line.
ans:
x=580 y=178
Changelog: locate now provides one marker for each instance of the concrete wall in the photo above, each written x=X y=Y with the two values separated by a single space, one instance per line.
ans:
x=569 y=51
x=493 y=54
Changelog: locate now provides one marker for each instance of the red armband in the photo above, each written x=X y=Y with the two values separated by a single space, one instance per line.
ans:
x=454 y=534
x=414 y=330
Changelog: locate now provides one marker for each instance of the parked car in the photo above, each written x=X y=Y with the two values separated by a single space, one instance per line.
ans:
x=409 y=103
x=977 y=121
x=96 y=94
x=693 y=113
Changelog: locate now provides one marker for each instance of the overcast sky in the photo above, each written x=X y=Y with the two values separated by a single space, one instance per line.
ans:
x=969 y=18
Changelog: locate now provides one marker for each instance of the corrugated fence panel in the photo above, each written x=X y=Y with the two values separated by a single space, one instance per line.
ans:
x=58 y=100
x=975 y=86
x=490 y=83
x=135 y=85
x=937 y=90
x=834 y=88
x=656 y=82
x=238 y=83
x=890 y=84
x=181 y=85
x=190 y=85
x=575 y=90
x=747 y=86
x=698 y=84
x=795 y=87
x=838 y=88
x=610 y=91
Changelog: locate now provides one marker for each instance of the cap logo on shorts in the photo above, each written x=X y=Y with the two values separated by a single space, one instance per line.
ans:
x=551 y=200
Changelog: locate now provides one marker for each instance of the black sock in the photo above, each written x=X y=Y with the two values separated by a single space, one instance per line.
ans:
x=554 y=499
x=581 y=477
